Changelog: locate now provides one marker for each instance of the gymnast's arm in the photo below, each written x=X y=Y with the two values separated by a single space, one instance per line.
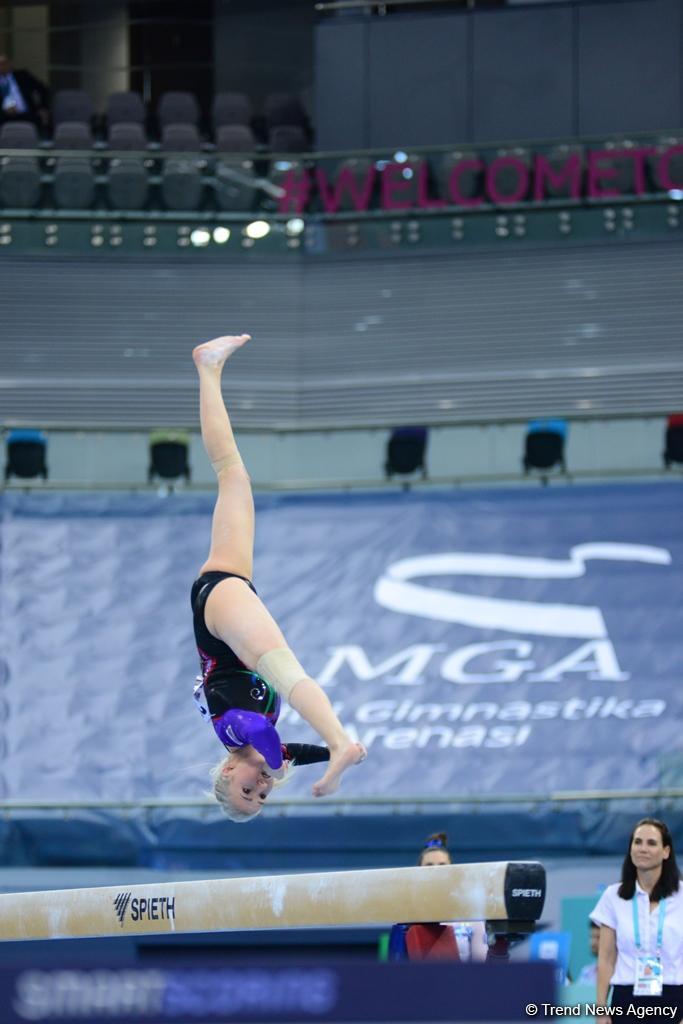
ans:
x=238 y=728
x=607 y=960
x=304 y=753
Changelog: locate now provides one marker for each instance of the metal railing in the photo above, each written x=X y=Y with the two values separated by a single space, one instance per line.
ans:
x=396 y=805
x=367 y=6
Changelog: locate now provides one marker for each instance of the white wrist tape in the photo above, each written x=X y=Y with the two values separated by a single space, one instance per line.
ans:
x=281 y=669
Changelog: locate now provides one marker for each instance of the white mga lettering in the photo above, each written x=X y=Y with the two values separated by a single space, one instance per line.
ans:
x=414 y=660
x=595 y=660
x=396 y=590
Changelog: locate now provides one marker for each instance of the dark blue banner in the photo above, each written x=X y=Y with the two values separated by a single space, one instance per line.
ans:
x=351 y=992
x=502 y=642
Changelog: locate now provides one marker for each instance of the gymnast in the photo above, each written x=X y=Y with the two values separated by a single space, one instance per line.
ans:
x=245 y=661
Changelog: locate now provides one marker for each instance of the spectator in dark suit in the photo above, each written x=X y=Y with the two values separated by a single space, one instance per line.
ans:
x=22 y=96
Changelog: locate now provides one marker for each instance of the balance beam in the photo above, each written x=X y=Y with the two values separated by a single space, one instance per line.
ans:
x=512 y=891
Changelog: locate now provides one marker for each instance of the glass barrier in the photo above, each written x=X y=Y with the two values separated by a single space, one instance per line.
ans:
x=75 y=171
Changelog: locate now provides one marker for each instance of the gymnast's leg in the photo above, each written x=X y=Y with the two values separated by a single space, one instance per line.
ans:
x=233 y=612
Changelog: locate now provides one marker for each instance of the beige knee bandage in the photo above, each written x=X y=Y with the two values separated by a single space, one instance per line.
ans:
x=281 y=669
x=227 y=462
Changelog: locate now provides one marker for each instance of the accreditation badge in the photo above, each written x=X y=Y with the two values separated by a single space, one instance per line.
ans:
x=649 y=976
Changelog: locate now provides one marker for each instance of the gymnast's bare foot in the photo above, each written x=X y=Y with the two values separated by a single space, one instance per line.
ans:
x=214 y=353
x=341 y=758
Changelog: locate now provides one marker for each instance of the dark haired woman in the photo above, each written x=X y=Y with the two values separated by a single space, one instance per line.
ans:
x=435 y=851
x=470 y=936
x=641 y=929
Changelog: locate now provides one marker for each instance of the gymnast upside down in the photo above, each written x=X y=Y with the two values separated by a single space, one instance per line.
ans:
x=246 y=664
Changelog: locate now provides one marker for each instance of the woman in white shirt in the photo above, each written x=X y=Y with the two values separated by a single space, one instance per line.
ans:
x=641 y=928
x=470 y=936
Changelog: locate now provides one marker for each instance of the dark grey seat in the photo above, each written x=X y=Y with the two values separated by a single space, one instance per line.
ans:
x=19 y=135
x=178 y=108
x=127 y=184
x=231 y=190
x=621 y=162
x=129 y=136
x=557 y=158
x=74 y=183
x=663 y=178
x=20 y=185
x=470 y=178
x=125 y=108
x=73 y=135
x=360 y=169
x=283 y=108
x=287 y=138
x=230 y=108
x=181 y=184
x=72 y=105
x=507 y=178
x=235 y=138
x=180 y=138
x=280 y=173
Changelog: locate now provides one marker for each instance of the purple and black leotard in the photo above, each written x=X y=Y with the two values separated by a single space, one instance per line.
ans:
x=242 y=706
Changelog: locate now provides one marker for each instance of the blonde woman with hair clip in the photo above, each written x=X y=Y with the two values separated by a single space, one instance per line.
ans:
x=246 y=664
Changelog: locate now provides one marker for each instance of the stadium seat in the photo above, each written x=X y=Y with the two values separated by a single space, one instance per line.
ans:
x=74 y=184
x=74 y=181
x=19 y=135
x=26 y=455
x=20 y=184
x=410 y=185
x=283 y=108
x=72 y=105
x=180 y=138
x=674 y=164
x=673 y=449
x=127 y=135
x=278 y=173
x=469 y=179
x=235 y=138
x=557 y=158
x=507 y=178
x=125 y=108
x=127 y=184
x=73 y=135
x=544 y=446
x=405 y=452
x=168 y=456
x=287 y=139
x=181 y=184
x=359 y=168
x=232 y=192
x=230 y=108
x=178 y=108
x=624 y=178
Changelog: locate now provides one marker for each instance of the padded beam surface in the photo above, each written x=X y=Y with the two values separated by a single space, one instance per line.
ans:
x=512 y=891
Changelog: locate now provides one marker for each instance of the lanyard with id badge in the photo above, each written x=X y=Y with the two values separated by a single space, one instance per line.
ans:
x=649 y=980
